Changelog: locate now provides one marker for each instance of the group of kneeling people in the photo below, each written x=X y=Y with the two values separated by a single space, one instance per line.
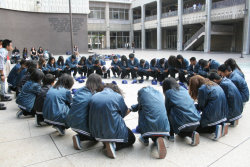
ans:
x=96 y=111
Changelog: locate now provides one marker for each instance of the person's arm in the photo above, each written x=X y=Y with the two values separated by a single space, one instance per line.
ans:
x=2 y=67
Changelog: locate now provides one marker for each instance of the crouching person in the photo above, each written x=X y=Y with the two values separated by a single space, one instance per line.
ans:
x=48 y=82
x=183 y=116
x=212 y=103
x=57 y=103
x=153 y=121
x=27 y=97
x=78 y=117
x=107 y=110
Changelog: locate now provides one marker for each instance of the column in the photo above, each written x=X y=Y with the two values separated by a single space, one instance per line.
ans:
x=107 y=25
x=131 y=33
x=246 y=33
x=207 y=42
x=159 y=36
x=143 y=27
x=180 y=26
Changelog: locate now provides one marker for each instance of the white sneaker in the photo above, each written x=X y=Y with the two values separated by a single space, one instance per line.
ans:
x=110 y=148
x=19 y=114
x=162 y=151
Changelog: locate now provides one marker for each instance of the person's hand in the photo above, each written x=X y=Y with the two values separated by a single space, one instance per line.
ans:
x=185 y=71
x=3 y=78
x=135 y=68
x=149 y=70
x=166 y=70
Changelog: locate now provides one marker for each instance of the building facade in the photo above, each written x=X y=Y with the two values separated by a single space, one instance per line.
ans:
x=197 y=25
x=45 y=23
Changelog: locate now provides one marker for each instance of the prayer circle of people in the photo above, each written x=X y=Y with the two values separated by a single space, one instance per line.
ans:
x=205 y=98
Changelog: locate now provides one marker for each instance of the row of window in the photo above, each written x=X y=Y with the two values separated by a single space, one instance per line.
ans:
x=114 y=14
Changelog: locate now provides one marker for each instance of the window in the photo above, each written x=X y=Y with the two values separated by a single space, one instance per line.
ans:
x=118 y=14
x=97 y=13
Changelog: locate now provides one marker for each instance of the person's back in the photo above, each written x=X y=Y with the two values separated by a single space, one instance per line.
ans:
x=241 y=84
x=181 y=105
x=152 y=112
x=78 y=118
x=213 y=104
x=107 y=110
x=13 y=75
x=57 y=100
x=234 y=99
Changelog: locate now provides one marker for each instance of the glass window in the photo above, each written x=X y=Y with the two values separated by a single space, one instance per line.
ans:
x=97 y=13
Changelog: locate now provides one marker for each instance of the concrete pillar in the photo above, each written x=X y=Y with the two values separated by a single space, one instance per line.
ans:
x=143 y=33
x=180 y=26
x=246 y=33
x=131 y=33
x=107 y=25
x=207 y=42
x=159 y=36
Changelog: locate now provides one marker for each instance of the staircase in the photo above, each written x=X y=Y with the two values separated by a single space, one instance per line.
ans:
x=195 y=38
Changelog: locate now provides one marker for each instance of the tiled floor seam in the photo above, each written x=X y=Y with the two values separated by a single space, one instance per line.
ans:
x=55 y=145
x=228 y=152
x=21 y=139
x=42 y=161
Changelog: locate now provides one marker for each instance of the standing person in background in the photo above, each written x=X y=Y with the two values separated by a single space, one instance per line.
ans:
x=75 y=49
x=2 y=107
x=33 y=54
x=40 y=52
x=133 y=47
x=25 y=53
x=6 y=47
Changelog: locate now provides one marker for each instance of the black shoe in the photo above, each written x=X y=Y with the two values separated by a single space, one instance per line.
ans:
x=2 y=108
x=1 y=105
x=5 y=98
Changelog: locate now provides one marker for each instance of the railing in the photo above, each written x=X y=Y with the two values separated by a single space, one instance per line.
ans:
x=227 y=3
x=137 y=21
x=192 y=9
x=168 y=14
x=196 y=35
x=150 y=18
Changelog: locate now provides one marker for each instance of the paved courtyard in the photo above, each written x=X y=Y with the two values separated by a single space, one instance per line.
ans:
x=24 y=144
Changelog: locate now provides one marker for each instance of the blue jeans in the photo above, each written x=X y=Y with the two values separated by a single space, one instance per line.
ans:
x=2 y=88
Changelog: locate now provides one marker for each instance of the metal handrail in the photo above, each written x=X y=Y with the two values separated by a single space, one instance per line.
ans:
x=227 y=3
x=171 y=13
x=150 y=18
x=196 y=35
x=192 y=10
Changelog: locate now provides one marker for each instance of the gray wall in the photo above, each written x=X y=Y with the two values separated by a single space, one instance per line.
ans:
x=48 y=30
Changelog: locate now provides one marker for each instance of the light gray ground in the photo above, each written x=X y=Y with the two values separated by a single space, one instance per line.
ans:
x=24 y=144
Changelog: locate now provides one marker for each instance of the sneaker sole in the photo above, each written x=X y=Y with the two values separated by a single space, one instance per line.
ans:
x=225 y=130
x=110 y=153
x=218 y=135
x=76 y=143
x=197 y=139
x=161 y=148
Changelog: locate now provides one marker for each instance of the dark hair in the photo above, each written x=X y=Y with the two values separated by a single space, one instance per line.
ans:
x=6 y=43
x=232 y=63
x=196 y=82
x=131 y=55
x=170 y=83
x=192 y=59
x=31 y=66
x=214 y=76
x=60 y=61
x=203 y=63
x=23 y=61
x=115 y=57
x=1 y=41
x=90 y=58
x=82 y=60
x=124 y=58
x=162 y=61
x=73 y=56
x=50 y=60
x=172 y=61
x=48 y=79
x=65 y=81
x=94 y=83
x=97 y=61
x=223 y=68
x=41 y=62
x=180 y=57
x=114 y=87
x=36 y=76
x=153 y=62
x=200 y=61
x=142 y=61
